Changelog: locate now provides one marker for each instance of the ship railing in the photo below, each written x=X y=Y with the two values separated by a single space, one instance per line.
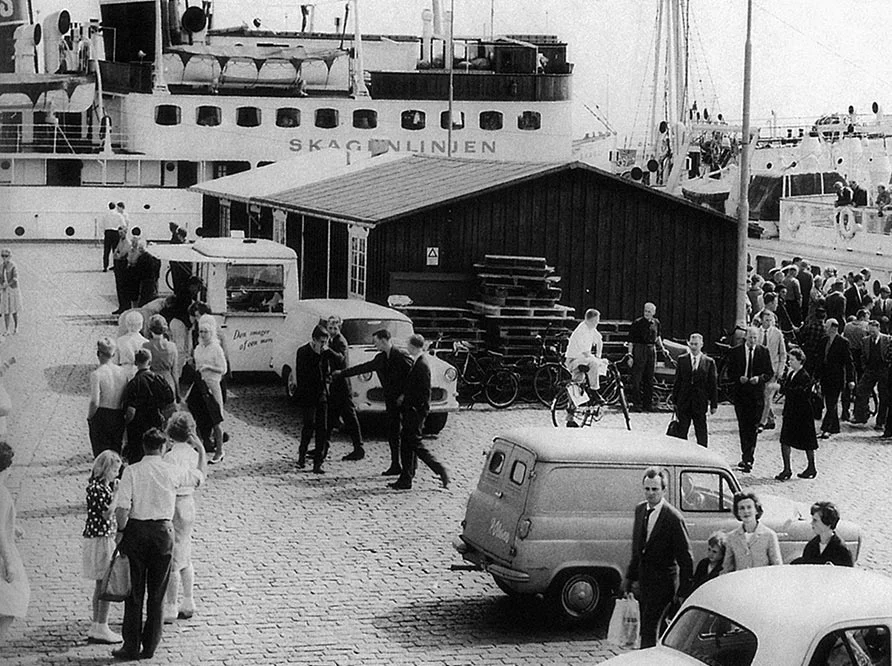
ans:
x=854 y=225
x=56 y=139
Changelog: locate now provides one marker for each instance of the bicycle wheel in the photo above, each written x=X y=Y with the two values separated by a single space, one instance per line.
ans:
x=501 y=388
x=609 y=389
x=623 y=403
x=548 y=380
x=559 y=406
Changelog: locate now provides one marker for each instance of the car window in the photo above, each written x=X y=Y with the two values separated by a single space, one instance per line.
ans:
x=359 y=331
x=711 y=638
x=858 y=646
x=706 y=491
x=575 y=489
x=255 y=287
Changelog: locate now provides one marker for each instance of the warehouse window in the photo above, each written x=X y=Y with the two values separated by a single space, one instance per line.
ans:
x=356 y=279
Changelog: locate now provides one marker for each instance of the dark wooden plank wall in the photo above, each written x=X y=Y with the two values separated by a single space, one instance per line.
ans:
x=614 y=245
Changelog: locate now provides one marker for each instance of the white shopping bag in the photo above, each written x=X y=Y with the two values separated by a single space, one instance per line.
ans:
x=577 y=395
x=623 y=630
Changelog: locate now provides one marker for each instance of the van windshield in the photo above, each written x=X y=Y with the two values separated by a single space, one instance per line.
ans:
x=359 y=331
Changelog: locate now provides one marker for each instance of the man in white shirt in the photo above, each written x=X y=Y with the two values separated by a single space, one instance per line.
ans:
x=111 y=220
x=145 y=507
x=583 y=340
x=771 y=337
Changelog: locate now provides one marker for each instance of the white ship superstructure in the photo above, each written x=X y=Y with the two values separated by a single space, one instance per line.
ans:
x=144 y=99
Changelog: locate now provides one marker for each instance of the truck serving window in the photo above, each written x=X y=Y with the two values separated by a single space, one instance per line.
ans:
x=255 y=288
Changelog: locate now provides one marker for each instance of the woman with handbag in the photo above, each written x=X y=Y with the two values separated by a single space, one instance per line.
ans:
x=99 y=539
x=798 y=428
x=14 y=590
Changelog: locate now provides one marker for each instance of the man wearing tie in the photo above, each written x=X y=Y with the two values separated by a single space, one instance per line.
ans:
x=662 y=563
x=695 y=390
x=749 y=365
x=414 y=403
x=875 y=350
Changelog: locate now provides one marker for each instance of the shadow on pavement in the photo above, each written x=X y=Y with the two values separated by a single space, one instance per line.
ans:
x=53 y=511
x=490 y=620
x=69 y=379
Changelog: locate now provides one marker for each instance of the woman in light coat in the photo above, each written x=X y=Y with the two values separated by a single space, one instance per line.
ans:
x=751 y=544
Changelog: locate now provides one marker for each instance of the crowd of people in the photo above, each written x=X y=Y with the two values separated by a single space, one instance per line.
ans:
x=662 y=571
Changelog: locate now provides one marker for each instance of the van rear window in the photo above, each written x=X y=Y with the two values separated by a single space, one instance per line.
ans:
x=518 y=472
x=496 y=462
x=586 y=489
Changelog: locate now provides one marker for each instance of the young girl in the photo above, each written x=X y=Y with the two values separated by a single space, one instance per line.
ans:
x=99 y=539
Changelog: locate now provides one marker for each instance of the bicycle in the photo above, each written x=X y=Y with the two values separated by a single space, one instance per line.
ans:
x=498 y=384
x=588 y=403
x=546 y=367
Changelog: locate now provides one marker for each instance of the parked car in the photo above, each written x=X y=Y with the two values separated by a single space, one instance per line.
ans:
x=552 y=513
x=360 y=320
x=810 y=615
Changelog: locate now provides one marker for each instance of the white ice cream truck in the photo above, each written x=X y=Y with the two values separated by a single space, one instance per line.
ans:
x=251 y=286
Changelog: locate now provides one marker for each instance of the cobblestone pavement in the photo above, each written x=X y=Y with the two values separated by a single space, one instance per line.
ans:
x=296 y=568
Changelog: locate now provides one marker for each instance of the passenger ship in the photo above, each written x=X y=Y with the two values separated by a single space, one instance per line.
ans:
x=146 y=99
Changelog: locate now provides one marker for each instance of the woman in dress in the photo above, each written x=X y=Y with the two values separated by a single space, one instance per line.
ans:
x=210 y=363
x=14 y=590
x=187 y=451
x=164 y=353
x=99 y=539
x=10 y=298
x=798 y=428
x=826 y=547
x=751 y=544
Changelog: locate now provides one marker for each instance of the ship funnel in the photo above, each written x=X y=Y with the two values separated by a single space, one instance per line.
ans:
x=427 y=34
x=13 y=14
x=56 y=27
x=438 y=17
x=26 y=38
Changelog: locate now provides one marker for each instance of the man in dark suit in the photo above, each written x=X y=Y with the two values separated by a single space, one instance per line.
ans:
x=835 y=303
x=855 y=295
x=392 y=366
x=662 y=563
x=749 y=365
x=875 y=351
x=834 y=369
x=415 y=404
x=312 y=370
x=695 y=390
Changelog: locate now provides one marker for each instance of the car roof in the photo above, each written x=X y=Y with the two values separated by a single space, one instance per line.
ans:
x=350 y=308
x=794 y=602
x=243 y=248
x=601 y=444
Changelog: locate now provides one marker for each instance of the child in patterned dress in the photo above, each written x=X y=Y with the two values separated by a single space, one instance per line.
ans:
x=99 y=539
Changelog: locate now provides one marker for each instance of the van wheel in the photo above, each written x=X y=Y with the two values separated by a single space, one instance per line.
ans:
x=290 y=384
x=434 y=423
x=575 y=595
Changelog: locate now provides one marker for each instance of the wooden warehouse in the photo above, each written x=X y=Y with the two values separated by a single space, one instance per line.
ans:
x=416 y=225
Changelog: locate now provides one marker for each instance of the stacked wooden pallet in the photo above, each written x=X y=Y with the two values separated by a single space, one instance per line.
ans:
x=446 y=324
x=616 y=334
x=518 y=301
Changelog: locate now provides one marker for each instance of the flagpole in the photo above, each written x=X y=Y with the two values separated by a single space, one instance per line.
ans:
x=743 y=206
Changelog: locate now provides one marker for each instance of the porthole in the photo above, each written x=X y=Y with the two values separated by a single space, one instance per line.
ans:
x=529 y=121
x=136 y=231
x=458 y=120
x=5 y=165
x=326 y=118
x=413 y=119
x=167 y=115
x=208 y=116
x=287 y=117
x=20 y=231
x=365 y=119
x=247 y=116
x=490 y=121
x=69 y=231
